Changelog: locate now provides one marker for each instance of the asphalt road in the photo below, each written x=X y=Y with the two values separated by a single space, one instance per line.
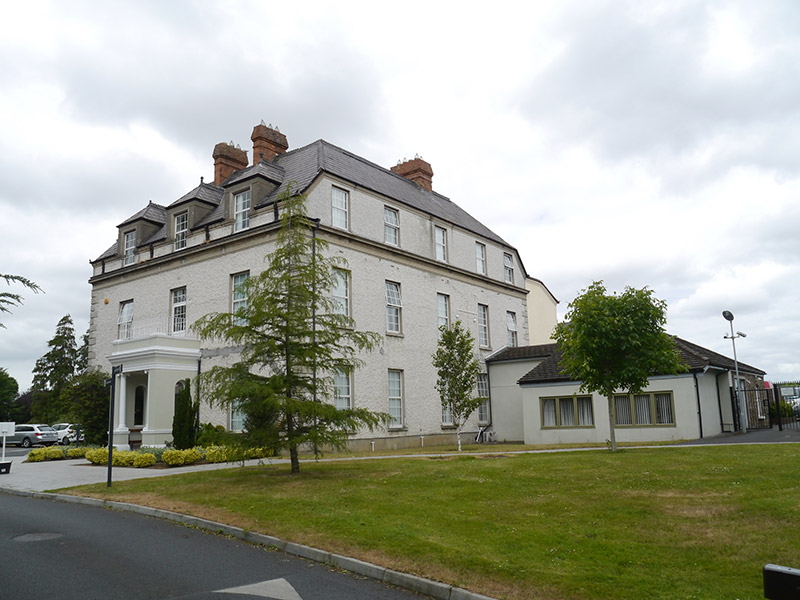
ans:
x=67 y=551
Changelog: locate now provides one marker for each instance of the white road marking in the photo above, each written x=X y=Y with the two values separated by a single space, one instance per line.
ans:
x=277 y=589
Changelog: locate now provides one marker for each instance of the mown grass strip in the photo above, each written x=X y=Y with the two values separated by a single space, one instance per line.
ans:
x=669 y=523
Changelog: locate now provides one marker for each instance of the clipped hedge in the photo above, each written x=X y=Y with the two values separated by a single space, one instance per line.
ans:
x=97 y=456
x=77 y=452
x=177 y=458
x=144 y=460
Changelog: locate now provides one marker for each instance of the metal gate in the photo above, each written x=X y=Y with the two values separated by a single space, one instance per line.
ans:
x=787 y=397
x=756 y=402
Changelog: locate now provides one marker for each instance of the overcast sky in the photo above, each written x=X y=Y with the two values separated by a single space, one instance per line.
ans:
x=640 y=143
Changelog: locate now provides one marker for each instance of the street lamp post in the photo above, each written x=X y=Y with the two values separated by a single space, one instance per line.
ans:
x=728 y=315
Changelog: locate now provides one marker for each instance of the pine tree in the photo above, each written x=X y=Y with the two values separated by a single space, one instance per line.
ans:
x=293 y=337
x=184 y=422
x=9 y=299
x=53 y=373
x=9 y=388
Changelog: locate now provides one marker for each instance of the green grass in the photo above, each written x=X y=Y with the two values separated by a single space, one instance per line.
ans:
x=671 y=523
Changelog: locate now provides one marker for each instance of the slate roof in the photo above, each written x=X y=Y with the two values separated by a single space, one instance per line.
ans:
x=696 y=357
x=155 y=213
x=300 y=167
x=205 y=192
x=303 y=165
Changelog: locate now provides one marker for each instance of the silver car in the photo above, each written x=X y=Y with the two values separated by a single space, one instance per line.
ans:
x=28 y=435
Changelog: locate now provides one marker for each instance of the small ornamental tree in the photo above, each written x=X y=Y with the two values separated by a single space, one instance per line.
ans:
x=185 y=420
x=294 y=336
x=457 y=370
x=616 y=342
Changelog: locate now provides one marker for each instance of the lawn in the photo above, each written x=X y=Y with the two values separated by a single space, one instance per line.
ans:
x=641 y=523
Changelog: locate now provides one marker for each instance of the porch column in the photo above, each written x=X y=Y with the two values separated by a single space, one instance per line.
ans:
x=147 y=404
x=121 y=426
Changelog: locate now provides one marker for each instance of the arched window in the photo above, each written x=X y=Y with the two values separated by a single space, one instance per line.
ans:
x=138 y=406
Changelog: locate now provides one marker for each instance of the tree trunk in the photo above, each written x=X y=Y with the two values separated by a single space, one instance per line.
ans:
x=295 y=459
x=458 y=435
x=612 y=437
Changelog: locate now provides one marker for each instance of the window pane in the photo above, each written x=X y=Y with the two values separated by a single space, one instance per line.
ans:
x=622 y=406
x=242 y=211
x=585 y=414
x=664 y=409
x=441 y=244
x=480 y=258
x=339 y=202
x=181 y=228
x=567 y=408
x=483 y=325
x=341 y=292
x=447 y=418
x=395 y=399
x=393 y=305
x=442 y=310
x=549 y=412
x=391 y=227
x=642 y=402
x=341 y=389
x=237 y=419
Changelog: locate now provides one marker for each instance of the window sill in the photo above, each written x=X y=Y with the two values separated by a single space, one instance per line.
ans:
x=397 y=429
x=396 y=334
x=557 y=427
x=656 y=425
x=445 y=426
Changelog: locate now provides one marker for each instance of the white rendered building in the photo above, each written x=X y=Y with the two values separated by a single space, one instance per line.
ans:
x=415 y=260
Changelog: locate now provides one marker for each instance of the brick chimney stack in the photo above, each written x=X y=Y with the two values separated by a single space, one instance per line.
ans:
x=417 y=170
x=227 y=160
x=268 y=142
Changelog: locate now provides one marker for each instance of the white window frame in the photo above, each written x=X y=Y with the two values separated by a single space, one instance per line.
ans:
x=395 y=399
x=125 y=320
x=483 y=392
x=343 y=389
x=394 y=308
x=633 y=405
x=508 y=268
x=442 y=311
x=238 y=417
x=447 y=416
x=181 y=230
x=440 y=243
x=480 y=258
x=391 y=226
x=341 y=292
x=178 y=300
x=511 y=326
x=483 y=326
x=241 y=210
x=129 y=248
x=340 y=208
x=239 y=296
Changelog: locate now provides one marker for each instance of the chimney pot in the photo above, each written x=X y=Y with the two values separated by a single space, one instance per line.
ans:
x=227 y=160
x=268 y=142
x=417 y=170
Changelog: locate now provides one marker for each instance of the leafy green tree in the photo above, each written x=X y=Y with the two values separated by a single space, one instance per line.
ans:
x=616 y=342
x=9 y=388
x=293 y=337
x=53 y=372
x=185 y=420
x=457 y=369
x=9 y=299
x=88 y=399
x=23 y=405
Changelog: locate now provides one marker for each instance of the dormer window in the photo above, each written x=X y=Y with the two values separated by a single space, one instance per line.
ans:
x=181 y=229
x=129 y=247
x=241 y=211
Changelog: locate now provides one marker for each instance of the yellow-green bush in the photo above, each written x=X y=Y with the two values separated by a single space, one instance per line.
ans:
x=123 y=458
x=53 y=453
x=97 y=456
x=77 y=452
x=144 y=459
x=174 y=458
x=37 y=455
x=217 y=454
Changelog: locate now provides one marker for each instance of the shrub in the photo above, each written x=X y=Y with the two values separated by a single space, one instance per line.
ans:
x=97 y=456
x=144 y=459
x=37 y=455
x=217 y=454
x=192 y=455
x=173 y=458
x=213 y=435
x=77 y=452
x=123 y=458
x=157 y=451
x=53 y=453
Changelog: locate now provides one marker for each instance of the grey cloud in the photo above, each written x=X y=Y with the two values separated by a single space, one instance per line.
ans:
x=634 y=89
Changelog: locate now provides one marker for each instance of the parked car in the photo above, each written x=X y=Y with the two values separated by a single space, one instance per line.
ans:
x=67 y=432
x=28 y=435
